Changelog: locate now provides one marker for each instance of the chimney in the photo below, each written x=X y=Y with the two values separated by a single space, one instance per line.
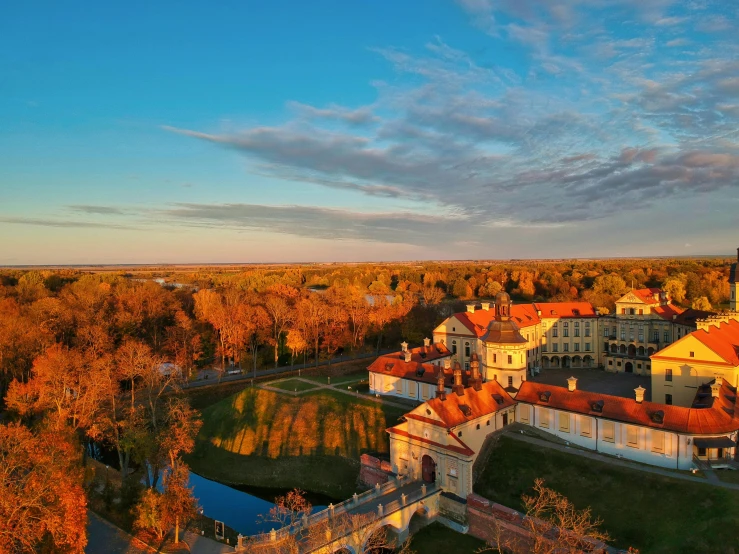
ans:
x=475 y=380
x=538 y=312
x=404 y=346
x=447 y=363
x=485 y=306
x=719 y=380
x=407 y=356
x=572 y=384
x=640 y=394
x=716 y=387
x=427 y=342
x=440 y=391
x=471 y=308
x=458 y=387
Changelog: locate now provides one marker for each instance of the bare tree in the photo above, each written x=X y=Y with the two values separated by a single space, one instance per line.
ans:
x=552 y=525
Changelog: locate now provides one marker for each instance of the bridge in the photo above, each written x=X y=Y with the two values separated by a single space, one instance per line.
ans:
x=346 y=527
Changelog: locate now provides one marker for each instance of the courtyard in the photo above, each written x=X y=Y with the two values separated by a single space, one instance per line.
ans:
x=597 y=380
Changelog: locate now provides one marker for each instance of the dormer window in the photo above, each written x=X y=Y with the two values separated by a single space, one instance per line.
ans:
x=420 y=371
x=465 y=410
x=598 y=406
x=388 y=367
x=658 y=416
x=544 y=396
x=498 y=398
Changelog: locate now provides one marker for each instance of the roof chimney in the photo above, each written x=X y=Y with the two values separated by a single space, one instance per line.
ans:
x=719 y=380
x=640 y=394
x=458 y=387
x=572 y=384
x=404 y=346
x=471 y=308
x=447 y=363
x=407 y=356
x=485 y=306
x=475 y=379
x=427 y=342
x=440 y=391
x=715 y=388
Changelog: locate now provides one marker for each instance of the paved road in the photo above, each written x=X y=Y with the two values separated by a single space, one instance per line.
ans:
x=620 y=463
x=278 y=370
x=105 y=538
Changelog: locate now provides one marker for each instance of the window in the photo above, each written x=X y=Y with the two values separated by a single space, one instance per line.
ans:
x=668 y=375
x=587 y=328
x=658 y=441
x=544 y=418
x=467 y=349
x=641 y=334
x=459 y=434
x=566 y=347
x=510 y=381
x=577 y=347
x=587 y=347
x=566 y=332
x=495 y=358
x=554 y=332
x=524 y=411
x=478 y=426
x=692 y=354
x=564 y=423
x=606 y=331
x=667 y=336
x=467 y=366
x=656 y=335
x=609 y=432
x=510 y=359
x=577 y=332
x=701 y=451
x=454 y=347
x=641 y=312
x=544 y=347
x=632 y=436
x=632 y=311
x=623 y=333
x=555 y=348
x=399 y=386
x=488 y=423
x=586 y=427
x=668 y=399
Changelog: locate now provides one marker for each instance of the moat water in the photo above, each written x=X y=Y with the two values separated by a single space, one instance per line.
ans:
x=240 y=508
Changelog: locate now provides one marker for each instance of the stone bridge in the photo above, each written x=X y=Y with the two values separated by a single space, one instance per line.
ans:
x=347 y=526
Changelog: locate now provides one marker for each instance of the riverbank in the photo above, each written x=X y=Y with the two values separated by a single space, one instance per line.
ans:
x=310 y=441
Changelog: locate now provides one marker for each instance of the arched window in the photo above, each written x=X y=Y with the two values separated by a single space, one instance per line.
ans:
x=467 y=349
x=454 y=347
x=668 y=375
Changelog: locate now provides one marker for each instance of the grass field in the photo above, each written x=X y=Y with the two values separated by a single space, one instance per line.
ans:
x=292 y=385
x=657 y=515
x=437 y=539
x=312 y=441
x=728 y=476
x=355 y=376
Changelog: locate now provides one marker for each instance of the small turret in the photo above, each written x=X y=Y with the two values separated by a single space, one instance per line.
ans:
x=440 y=390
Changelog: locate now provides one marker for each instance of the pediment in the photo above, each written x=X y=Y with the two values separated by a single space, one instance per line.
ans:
x=630 y=298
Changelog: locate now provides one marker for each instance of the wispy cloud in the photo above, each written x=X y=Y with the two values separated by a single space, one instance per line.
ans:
x=37 y=222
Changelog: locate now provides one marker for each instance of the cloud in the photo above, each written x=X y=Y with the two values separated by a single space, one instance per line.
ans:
x=97 y=210
x=13 y=220
x=635 y=123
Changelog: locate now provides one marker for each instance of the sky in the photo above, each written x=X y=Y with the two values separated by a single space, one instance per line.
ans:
x=355 y=130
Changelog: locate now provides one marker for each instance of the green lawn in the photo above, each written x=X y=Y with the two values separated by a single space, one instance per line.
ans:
x=292 y=385
x=340 y=379
x=437 y=539
x=312 y=441
x=652 y=513
x=728 y=476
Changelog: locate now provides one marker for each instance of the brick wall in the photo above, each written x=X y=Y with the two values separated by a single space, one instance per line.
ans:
x=374 y=471
x=452 y=507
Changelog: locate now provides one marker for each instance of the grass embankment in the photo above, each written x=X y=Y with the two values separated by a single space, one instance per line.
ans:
x=437 y=539
x=652 y=513
x=312 y=441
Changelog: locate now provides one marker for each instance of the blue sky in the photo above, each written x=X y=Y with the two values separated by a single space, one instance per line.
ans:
x=146 y=132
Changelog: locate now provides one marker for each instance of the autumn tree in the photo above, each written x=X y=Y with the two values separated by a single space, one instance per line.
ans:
x=42 y=502
x=701 y=303
x=433 y=295
x=296 y=343
x=278 y=305
x=675 y=287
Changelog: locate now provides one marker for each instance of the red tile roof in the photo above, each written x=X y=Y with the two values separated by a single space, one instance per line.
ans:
x=566 y=309
x=719 y=416
x=462 y=449
x=490 y=399
x=723 y=339
x=647 y=295
x=394 y=364
x=525 y=315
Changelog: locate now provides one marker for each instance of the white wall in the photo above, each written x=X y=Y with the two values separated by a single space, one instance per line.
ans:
x=675 y=454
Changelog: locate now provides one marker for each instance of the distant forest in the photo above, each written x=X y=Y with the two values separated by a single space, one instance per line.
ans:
x=262 y=316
